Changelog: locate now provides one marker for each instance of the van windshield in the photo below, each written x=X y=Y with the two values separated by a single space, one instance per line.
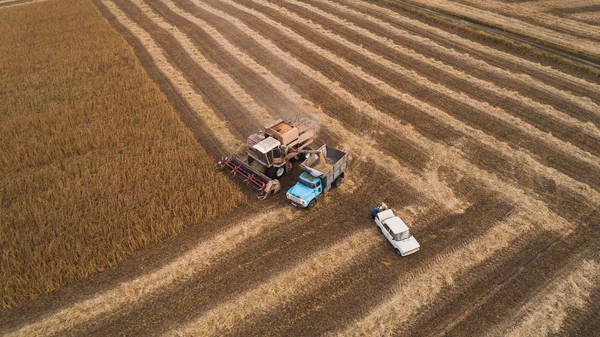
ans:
x=402 y=236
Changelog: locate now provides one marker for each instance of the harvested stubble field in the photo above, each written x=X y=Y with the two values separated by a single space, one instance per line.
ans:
x=549 y=22
x=490 y=155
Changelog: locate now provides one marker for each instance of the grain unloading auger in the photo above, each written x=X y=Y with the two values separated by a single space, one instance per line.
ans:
x=270 y=154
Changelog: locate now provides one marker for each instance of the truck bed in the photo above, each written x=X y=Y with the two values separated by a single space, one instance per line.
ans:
x=334 y=165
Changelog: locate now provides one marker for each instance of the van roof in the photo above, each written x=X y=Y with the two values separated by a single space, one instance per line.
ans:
x=393 y=222
x=396 y=225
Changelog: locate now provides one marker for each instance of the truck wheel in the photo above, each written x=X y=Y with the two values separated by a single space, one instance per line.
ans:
x=398 y=252
x=276 y=172
x=338 y=181
x=250 y=160
x=311 y=204
x=379 y=229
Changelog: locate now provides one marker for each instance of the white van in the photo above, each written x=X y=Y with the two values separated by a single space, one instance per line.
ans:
x=397 y=233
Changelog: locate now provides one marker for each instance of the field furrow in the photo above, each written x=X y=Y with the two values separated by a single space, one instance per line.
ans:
x=10 y=3
x=567 y=292
x=336 y=302
x=584 y=321
x=417 y=121
x=421 y=53
x=548 y=5
x=584 y=88
x=247 y=266
x=539 y=18
x=491 y=159
x=414 y=290
x=497 y=304
x=589 y=17
x=584 y=45
x=218 y=98
x=479 y=115
x=429 y=74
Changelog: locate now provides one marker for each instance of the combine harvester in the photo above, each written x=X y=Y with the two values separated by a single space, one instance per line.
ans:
x=270 y=154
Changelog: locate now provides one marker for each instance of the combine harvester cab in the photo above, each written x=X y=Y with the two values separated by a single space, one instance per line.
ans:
x=322 y=170
x=269 y=155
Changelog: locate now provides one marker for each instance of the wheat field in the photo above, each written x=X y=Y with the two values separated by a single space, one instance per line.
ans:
x=94 y=161
x=488 y=149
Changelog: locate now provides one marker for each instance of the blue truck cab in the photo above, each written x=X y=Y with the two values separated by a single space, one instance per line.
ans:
x=322 y=170
x=305 y=191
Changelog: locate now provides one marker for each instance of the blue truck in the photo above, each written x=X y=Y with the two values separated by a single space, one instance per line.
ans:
x=322 y=169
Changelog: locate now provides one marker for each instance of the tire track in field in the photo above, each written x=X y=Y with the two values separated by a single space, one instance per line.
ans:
x=219 y=99
x=584 y=88
x=359 y=147
x=479 y=115
x=457 y=74
x=324 y=265
x=297 y=86
x=539 y=18
x=471 y=284
x=576 y=106
x=585 y=46
x=176 y=79
x=416 y=289
x=482 y=175
x=336 y=302
x=261 y=91
x=495 y=304
x=583 y=322
x=247 y=267
x=560 y=5
x=223 y=79
x=547 y=311
x=12 y=3
x=378 y=116
x=196 y=260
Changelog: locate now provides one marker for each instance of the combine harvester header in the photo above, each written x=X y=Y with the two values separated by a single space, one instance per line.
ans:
x=264 y=185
